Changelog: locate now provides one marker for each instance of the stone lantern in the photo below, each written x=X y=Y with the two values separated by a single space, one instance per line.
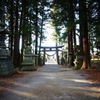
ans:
x=28 y=63
x=6 y=66
x=79 y=57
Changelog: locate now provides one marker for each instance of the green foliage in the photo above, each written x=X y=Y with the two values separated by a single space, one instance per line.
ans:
x=32 y=15
x=95 y=60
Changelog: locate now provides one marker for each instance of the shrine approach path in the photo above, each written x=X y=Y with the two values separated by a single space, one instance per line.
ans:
x=53 y=82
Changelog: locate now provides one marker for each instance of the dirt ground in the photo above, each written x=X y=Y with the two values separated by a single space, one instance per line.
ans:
x=51 y=82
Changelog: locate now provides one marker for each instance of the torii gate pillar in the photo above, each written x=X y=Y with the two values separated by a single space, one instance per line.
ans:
x=57 y=55
x=44 y=57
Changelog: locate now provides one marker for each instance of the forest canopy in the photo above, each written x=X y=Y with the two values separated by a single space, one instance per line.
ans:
x=26 y=19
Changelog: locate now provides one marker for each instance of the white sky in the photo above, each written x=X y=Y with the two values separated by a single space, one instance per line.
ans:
x=48 y=31
x=48 y=42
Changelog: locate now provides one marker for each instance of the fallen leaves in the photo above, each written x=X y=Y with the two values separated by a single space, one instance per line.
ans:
x=94 y=74
x=8 y=81
x=11 y=80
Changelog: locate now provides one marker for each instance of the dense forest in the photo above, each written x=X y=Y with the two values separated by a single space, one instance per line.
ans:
x=25 y=19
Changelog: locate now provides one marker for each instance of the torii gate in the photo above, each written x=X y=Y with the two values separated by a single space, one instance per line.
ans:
x=48 y=49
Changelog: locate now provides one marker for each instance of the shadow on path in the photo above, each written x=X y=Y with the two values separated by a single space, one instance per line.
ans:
x=53 y=82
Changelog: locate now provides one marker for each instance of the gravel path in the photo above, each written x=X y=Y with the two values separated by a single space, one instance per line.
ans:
x=53 y=82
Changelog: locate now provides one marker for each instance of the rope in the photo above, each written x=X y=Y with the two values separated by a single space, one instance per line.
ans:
x=50 y=55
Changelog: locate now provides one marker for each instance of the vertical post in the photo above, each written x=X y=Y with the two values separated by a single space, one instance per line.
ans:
x=66 y=59
x=57 y=55
x=44 y=57
x=36 y=57
x=70 y=59
x=62 y=53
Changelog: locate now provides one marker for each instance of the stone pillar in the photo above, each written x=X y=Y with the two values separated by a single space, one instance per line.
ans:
x=70 y=58
x=35 y=58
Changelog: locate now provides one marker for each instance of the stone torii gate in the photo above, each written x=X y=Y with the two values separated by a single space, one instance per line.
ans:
x=50 y=49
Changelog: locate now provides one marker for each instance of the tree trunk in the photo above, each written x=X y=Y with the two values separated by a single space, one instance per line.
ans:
x=70 y=31
x=40 y=41
x=11 y=28
x=36 y=28
x=16 y=39
x=84 y=33
x=22 y=26
x=2 y=11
